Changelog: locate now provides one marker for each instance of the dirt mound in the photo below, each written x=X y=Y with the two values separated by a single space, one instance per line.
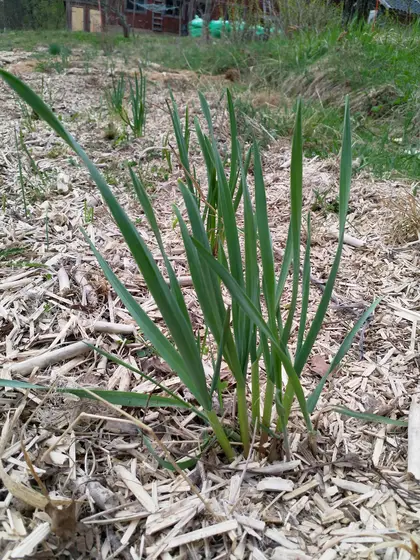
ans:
x=23 y=67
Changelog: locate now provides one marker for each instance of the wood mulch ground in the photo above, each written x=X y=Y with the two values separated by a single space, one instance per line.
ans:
x=351 y=499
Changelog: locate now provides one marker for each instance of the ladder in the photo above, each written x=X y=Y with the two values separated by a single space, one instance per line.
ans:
x=157 y=16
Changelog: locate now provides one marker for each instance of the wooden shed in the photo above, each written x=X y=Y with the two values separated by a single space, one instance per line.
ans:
x=168 y=16
x=84 y=15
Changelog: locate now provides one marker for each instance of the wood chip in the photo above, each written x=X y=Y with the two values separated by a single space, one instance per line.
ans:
x=329 y=554
x=379 y=446
x=351 y=486
x=17 y=523
x=349 y=239
x=257 y=554
x=164 y=519
x=48 y=358
x=332 y=516
x=281 y=553
x=414 y=439
x=301 y=490
x=274 y=468
x=135 y=486
x=63 y=281
x=279 y=538
x=29 y=544
x=275 y=484
x=113 y=328
x=247 y=521
x=103 y=497
x=204 y=533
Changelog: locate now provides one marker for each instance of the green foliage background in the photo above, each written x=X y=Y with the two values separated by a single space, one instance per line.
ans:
x=32 y=14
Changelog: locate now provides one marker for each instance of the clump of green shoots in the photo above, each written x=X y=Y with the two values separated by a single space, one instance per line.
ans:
x=57 y=59
x=166 y=152
x=28 y=117
x=88 y=213
x=135 y=118
x=116 y=93
x=88 y=56
x=54 y=49
x=252 y=334
x=137 y=99
x=21 y=179
x=32 y=181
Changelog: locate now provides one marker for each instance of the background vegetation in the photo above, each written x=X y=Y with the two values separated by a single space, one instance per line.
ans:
x=32 y=14
x=380 y=74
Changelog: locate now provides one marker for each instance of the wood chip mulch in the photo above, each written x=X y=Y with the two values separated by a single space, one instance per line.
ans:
x=79 y=480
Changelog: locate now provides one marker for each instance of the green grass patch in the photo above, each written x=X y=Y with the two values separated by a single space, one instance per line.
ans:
x=377 y=68
x=30 y=40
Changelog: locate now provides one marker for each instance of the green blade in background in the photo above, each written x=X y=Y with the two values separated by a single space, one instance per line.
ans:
x=246 y=164
x=266 y=248
x=120 y=398
x=371 y=417
x=165 y=300
x=345 y=168
x=233 y=247
x=159 y=341
x=200 y=280
x=207 y=152
x=234 y=152
x=187 y=128
x=180 y=140
x=229 y=220
x=206 y=112
x=217 y=366
x=205 y=146
x=306 y=286
x=208 y=293
x=296 y=171
x=285 y=266
x=274 y=373
x=252 y=273
x=345 y=180
x=151 y=218
x=342 y=351
x=239 y=295
x=210 y=279
x=209 y=212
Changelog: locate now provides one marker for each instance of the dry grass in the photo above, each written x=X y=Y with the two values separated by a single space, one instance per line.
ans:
x=405 y=226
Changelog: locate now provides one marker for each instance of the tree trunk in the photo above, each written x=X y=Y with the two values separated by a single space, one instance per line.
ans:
x=125 y=27
x=206 y=19
x=355 y=9
x=348 y=12
x=362 y=10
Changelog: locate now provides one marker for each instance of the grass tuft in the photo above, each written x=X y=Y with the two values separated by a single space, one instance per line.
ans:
x=405 y=226
x=54 y=49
